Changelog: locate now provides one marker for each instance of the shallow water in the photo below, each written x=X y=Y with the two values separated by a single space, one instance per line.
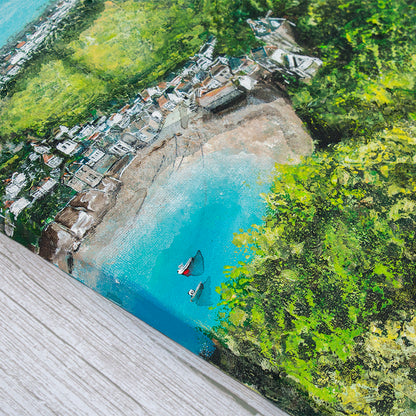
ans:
x=197 y=207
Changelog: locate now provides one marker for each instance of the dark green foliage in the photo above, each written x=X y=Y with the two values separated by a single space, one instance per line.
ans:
x=368 y=77
x=333 y=262
x=328 y=297
x=35 y=218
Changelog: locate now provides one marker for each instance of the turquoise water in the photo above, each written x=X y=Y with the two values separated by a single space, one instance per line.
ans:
x=16 y=14
x=198 y=207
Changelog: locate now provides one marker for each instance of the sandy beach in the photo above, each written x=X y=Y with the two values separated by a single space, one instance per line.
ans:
x=265 y=129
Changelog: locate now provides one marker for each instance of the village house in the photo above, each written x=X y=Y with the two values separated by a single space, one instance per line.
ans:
x=261 y=57
x=133 y=140
x=301 y=65
x=153 y=91
x=183 y=89
x=14 y=71
x=114 y=119
x=121 y=148
x=247 y=82
x=88 y=176
x=68 y=147
x=17 y=183
x=17 y=207
x=221 y=73
x=162 y=86
x=137 y=108
x=17 y=58
x=204 y=63
x=33 y=156
x=41 y=149
x=52 y=161
x=189 y=69
x=44 y=189
x=199 y=77
x=86 y=131
x=220 y=98
x=174 y=97
x=147 y=134
x=74 y=130
x=62 y=130
x=207 y=49
x=94 y=137
x=94 y=155
x=165 y=104
x=175 y=81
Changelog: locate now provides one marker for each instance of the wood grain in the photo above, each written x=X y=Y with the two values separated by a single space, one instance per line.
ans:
x=65 y=350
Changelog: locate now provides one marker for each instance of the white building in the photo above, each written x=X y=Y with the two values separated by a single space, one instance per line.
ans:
x=95 y=156
x=17 y=183
x=121 y=148
x=17 y=207
x=68 y=147
x=44 y=189
x=54 y=162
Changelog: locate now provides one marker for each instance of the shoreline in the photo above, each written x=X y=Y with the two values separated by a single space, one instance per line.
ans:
x=12 y=40
x=280 y=136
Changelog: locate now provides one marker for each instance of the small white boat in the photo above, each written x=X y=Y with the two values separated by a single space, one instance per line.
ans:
x=193 y=267
x=195 y=294
x=184 y=268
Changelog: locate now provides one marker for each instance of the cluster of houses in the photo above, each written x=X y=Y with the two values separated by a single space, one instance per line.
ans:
x=281 y=53
x=13 y=60
x=82 y=155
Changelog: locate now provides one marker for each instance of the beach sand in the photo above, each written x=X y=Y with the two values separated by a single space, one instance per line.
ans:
x=269 y=129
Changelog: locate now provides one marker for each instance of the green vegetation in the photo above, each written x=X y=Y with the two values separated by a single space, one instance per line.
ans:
x=333 y=274
x=57 y=93
x=32 y=220
x=127 y=45
x=129 y=39
x=109 y=50
x=326 y=299
x=368 y=79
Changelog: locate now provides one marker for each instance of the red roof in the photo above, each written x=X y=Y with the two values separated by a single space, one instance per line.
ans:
x=126 y=107
x=145 y=95
x=47 y=158
x=94 y=136
x=216 y=91
x=162 y=101
x=162 y=85
x=20 y=44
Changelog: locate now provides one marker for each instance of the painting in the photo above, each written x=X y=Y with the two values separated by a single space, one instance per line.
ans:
x=240 y=175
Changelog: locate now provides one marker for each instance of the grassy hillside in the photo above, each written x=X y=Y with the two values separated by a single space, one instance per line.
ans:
x=132 y=37
x=58 y=92
x=129 y=44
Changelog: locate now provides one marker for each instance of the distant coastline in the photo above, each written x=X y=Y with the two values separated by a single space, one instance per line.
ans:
x=13 y=39
x=29 y=41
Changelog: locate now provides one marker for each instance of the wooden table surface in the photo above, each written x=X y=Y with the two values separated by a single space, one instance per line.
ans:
x=66 y=350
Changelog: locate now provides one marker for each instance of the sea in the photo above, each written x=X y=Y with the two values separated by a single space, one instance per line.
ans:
x=198 y=207
x=16 y=14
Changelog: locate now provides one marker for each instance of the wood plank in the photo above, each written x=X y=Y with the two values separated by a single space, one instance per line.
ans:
x=66 y=350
